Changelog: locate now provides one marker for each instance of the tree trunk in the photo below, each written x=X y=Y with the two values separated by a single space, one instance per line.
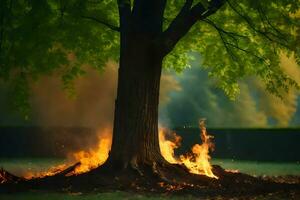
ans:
x=135 y=135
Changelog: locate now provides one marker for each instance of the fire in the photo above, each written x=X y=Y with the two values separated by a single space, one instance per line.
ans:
x=88 y=159
x=94 y=157
x=50 y=172
x=167 y=147
x=198 y=161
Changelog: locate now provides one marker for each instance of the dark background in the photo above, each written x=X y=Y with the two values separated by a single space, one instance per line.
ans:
x=278 y=145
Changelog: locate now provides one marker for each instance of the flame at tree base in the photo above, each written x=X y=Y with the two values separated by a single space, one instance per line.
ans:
x=94 y=157
x=88 y=159
x=198 y=161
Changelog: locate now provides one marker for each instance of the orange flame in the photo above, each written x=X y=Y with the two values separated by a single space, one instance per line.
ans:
x=198 y=161
x=50 y=172
x=94 y=157
x=167 y=147
x=88 y=159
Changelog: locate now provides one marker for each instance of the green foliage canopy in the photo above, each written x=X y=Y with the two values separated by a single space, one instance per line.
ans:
x=243 y=38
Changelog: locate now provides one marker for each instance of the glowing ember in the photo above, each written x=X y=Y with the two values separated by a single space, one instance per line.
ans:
x=50 y=172
x=198 y=161
x=232 y=170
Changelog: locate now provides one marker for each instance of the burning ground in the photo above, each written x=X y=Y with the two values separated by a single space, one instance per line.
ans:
x=198 y=178
x=196 y=161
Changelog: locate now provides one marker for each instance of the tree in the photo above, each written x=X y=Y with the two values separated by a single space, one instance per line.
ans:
x=235 y=38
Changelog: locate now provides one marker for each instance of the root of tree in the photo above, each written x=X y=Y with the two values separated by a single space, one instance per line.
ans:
x=164 y=178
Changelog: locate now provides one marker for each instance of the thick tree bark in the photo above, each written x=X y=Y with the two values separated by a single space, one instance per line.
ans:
x=135 y=136
x=143 y=47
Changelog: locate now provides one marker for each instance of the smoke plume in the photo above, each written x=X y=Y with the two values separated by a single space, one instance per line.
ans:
x=184 y=98
x=92 y=106
x=281 y=111
x=254 y=107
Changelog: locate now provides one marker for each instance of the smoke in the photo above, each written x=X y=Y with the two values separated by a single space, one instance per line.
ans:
x=199 y=98
x=168 y=84
x=254 y=107
x=281 y=110
x=92 y=106
x=184 y=98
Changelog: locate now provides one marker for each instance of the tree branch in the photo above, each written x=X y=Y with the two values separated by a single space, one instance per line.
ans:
x=185 y=19
x=265 y=34
x=125 y=13
x=228 y=45
x=264 y=18
x=112 y=27
x=248 y=52
x=213 y=6
x=232 y=35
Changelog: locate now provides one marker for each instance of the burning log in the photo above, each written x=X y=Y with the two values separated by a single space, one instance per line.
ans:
x=68 y=170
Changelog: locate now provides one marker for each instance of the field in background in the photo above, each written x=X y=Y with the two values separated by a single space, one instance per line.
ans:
x=260 y=168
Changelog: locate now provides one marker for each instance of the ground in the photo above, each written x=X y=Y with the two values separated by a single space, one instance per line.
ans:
x=252 y=167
